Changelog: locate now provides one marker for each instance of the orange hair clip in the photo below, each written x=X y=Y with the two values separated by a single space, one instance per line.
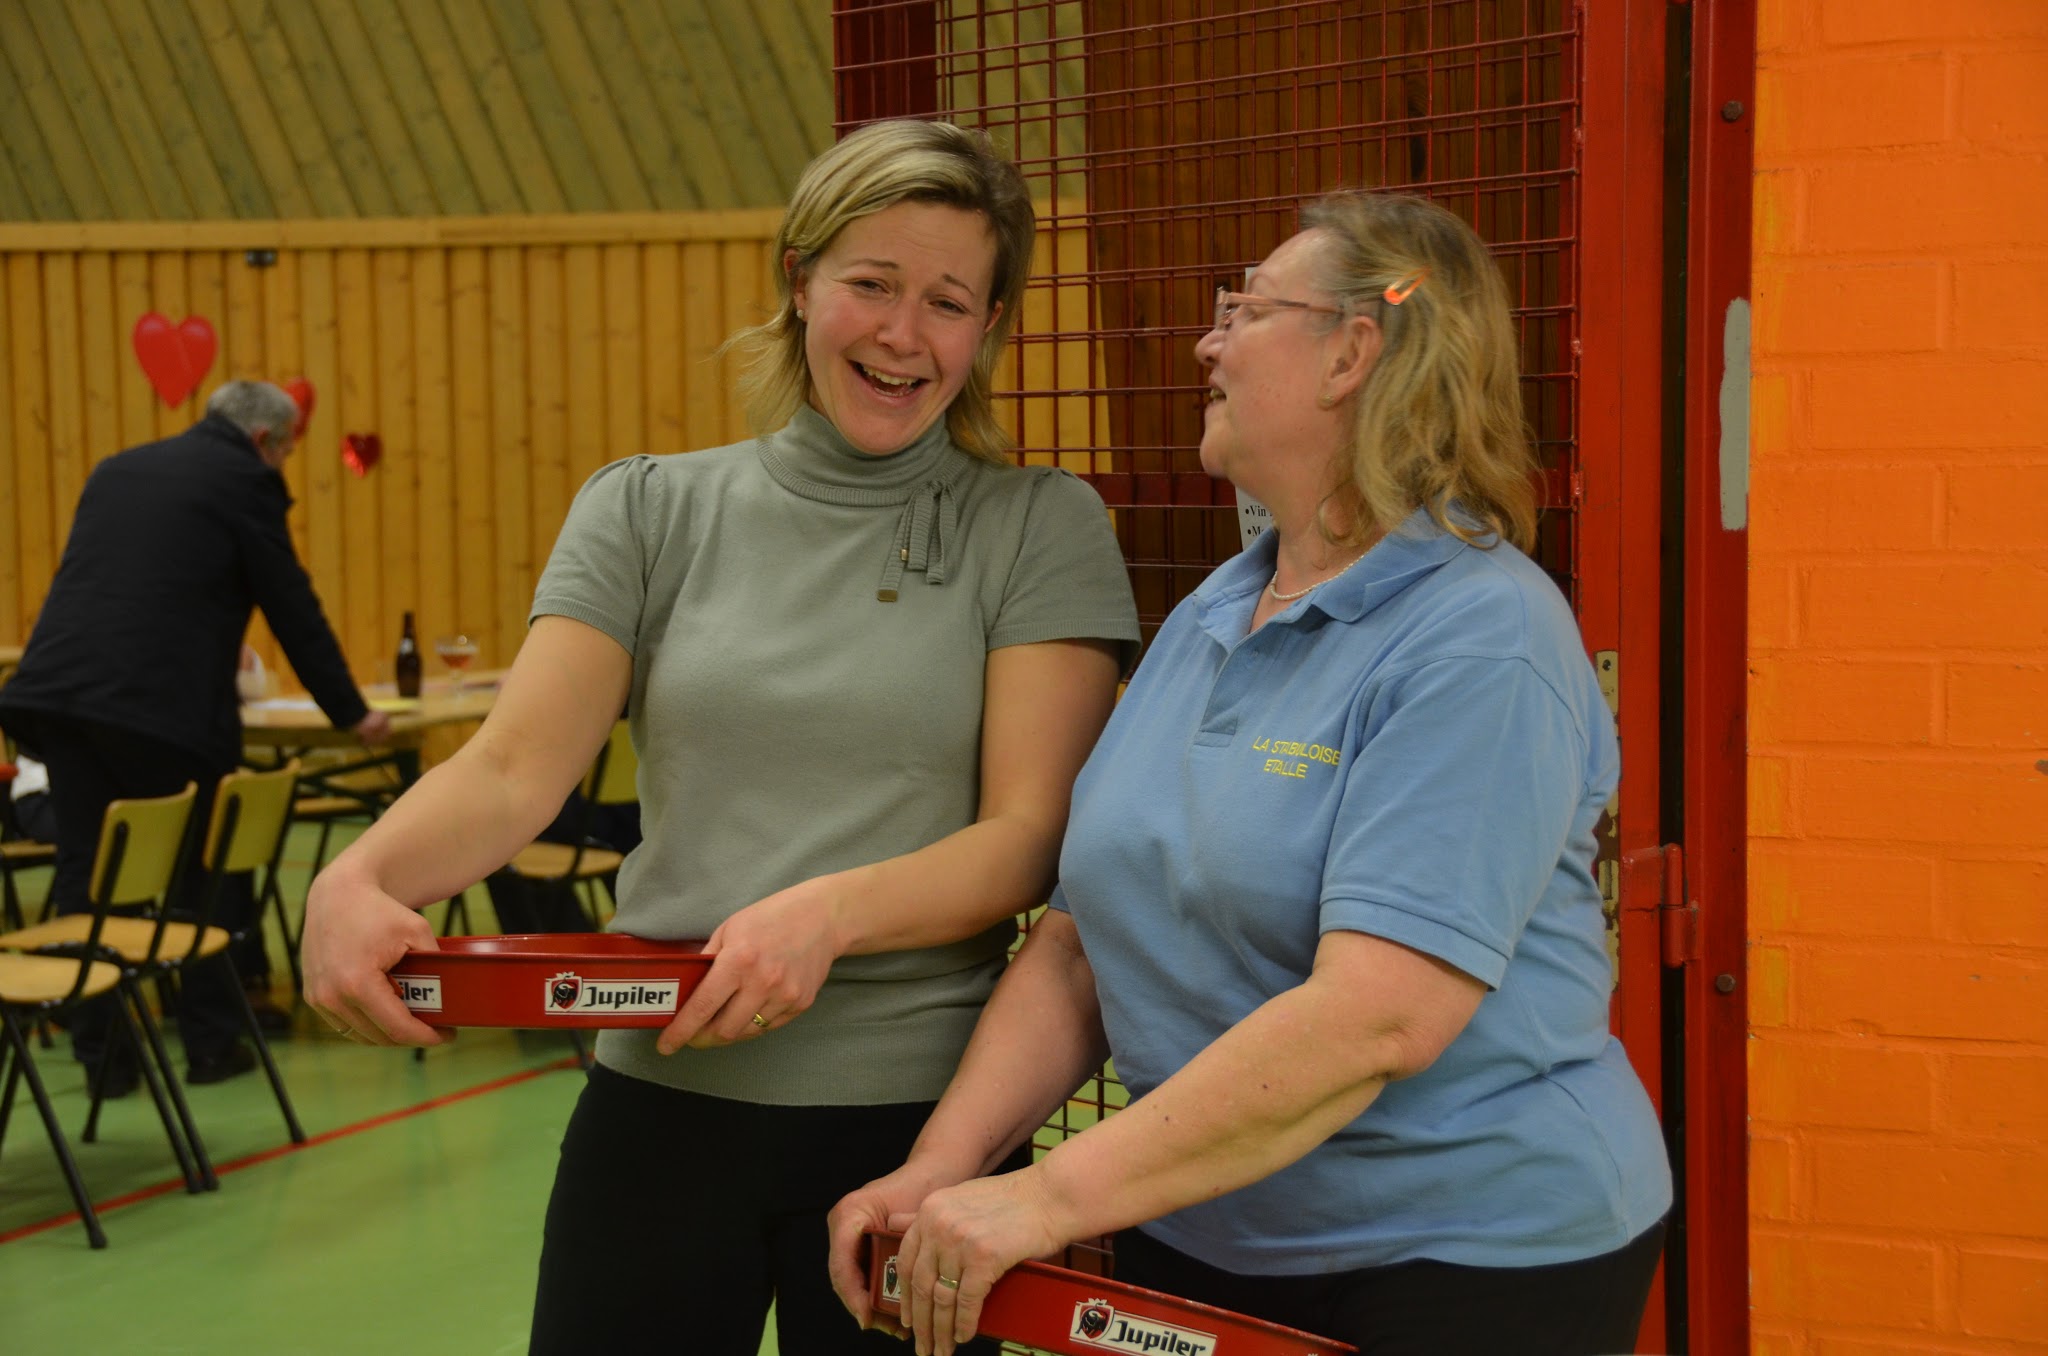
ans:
x=1401 y=291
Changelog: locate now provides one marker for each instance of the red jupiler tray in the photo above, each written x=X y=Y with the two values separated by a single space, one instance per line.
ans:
x=550 y=979
x=1071 y=1312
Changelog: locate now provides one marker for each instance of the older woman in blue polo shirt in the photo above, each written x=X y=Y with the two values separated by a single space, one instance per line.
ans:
x=1327 y=890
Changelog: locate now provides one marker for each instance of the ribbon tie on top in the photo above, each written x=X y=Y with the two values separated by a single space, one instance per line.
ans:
x=929 y=519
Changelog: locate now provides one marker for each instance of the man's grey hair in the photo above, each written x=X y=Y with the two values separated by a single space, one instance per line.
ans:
x=253 y=406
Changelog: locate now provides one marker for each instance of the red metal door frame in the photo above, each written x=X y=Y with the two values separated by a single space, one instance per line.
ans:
x=1715 y=646
x=1621 y=401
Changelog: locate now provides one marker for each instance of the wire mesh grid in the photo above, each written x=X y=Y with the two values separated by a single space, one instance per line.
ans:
x=1170 y=144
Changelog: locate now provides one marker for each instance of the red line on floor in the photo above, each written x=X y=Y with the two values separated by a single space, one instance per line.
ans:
x=104 y=1208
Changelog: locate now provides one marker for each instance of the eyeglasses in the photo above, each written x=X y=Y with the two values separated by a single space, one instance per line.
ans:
x=1229 y=303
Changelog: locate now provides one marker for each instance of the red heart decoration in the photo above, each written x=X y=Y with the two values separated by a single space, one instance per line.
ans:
x=175 y=358
x=360 y=452
x=301 y=392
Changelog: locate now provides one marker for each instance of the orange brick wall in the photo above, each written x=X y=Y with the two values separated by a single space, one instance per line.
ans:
x=1899 y=692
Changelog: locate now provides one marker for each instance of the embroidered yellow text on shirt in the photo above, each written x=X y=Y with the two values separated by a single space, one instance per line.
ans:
x=1294 y=756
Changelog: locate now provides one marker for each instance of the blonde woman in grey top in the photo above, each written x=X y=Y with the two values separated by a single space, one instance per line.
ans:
x=863 y=657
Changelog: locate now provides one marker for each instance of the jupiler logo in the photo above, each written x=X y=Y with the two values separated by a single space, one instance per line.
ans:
x=1098 y=1324
x=892 y=1285
x=421 y=993
x=569 y=992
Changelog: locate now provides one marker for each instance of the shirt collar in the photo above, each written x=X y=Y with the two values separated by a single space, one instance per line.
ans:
x=1225 y=600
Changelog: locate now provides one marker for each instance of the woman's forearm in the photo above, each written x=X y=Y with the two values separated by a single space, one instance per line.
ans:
x=1039 y=1038
x=469 y=816
x=1295 y=1071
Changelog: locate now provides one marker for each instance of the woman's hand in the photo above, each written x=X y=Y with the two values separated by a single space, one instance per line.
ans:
x=887 y=1203
x=355 y=932
x=962 y=1242
x=771 y=958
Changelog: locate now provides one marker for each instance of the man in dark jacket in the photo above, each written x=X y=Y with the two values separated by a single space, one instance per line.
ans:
x=127 y=687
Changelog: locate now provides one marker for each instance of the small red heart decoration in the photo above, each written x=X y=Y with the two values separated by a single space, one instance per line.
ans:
x=301 y=392
x=175 y=358
x=360 y=452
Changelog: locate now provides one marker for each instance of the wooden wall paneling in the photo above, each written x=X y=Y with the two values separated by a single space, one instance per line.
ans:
x=244 y=356
x=297 y=109
x=541 y=92
x=363 y=553
x=427 y=173
x=158 y=102
x=624 y=349
x=706 y=389
x=754 y=179
x=633 y=92
x=61 y=354
x=693 y=166
x=168 y=297
x=27 y=156
x=134 y=126
x=469 y=341
x=397 y=478
x=589 y=439
x=377 y=101
x=206 y=295
x=71 y=161
x=773 y=124
x=680 y=102
x=787 y=42
x=131 y=301
x=598 y=104
x=102 y=347
x=486 y=123
x=553 y=481
x=742 y=266
x=433 y=431
x=320 y=463
x=37 y=516
x=189 y=62
x=662 y=355
x=207 y=43
x=14 y=613
x=284 y=358
x=132 y=190
x=338 y=97
x=511 y=450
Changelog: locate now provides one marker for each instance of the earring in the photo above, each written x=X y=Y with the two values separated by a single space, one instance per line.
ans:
x=799 y=313
x=1324 y=402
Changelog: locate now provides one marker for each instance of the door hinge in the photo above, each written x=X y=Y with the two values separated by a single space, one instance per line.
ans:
x=1654 y=878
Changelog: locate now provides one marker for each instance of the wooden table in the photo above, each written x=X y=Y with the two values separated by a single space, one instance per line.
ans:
x=435 y=724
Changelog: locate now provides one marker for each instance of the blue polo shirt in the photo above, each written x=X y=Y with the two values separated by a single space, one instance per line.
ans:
x=1418 y=750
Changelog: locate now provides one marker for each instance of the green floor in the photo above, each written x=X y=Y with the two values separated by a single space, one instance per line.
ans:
x=408 y=1227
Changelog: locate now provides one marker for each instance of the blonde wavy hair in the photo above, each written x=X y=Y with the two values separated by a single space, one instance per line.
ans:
x=873 y=168
x=1439 y=419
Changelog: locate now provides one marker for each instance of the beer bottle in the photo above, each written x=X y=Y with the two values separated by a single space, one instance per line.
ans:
x=406 y=668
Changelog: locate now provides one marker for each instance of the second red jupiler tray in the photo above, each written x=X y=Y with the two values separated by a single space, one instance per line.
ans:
x=550 y=979
x=1074 y=1313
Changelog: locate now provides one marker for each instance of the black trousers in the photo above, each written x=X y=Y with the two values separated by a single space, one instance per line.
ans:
x=92 y=765
x=676 y=1218
x=1587 y=1308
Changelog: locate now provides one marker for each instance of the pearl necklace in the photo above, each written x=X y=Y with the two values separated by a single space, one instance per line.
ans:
x=1280 y=597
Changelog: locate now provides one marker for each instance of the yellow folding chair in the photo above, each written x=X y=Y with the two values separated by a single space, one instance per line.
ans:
x=139 y=848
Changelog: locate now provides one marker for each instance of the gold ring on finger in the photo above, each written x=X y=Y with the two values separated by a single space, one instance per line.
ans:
x=760 y=1021
x=949 y=1283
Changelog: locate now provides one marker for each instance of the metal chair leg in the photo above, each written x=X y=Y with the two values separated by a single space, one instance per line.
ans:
x=188 y=1166
x=26 y=1062
x=155 y=1037
x=262 y=1043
